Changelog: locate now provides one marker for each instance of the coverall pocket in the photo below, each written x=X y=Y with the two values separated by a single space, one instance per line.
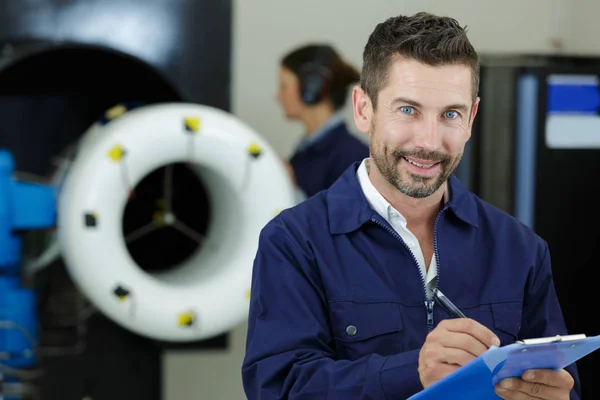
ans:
x=504 y=319
x=507 y=320
x=365 y=328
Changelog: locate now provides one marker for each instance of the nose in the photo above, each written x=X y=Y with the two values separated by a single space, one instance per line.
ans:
x=428 y=135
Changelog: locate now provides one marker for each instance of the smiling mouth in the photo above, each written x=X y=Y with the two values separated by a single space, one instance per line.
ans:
x=421 y=165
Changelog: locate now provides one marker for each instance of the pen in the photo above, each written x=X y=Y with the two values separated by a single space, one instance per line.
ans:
x=447 y=304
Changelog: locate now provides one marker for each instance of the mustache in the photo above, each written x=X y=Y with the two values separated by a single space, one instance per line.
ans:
x=433 y=156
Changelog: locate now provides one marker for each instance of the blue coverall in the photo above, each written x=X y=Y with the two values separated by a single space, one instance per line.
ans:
x=338 y=306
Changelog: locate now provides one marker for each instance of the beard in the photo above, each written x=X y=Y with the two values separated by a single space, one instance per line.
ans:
x=408 y=183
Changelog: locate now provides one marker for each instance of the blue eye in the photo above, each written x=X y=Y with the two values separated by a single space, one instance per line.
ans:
x=406 y=110
x=451 y=114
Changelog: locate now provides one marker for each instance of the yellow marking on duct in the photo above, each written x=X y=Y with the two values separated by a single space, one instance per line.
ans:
x=186 y=319
x=192 y=124
x=254 y=150
x=116 y=153
x=115 y=111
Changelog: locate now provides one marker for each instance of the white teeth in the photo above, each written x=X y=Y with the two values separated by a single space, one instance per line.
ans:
x=420 y=165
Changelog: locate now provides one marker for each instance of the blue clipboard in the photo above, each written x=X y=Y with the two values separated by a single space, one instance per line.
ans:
x=478 y=378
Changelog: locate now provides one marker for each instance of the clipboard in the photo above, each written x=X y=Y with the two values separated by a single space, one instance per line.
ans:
x=478 y=378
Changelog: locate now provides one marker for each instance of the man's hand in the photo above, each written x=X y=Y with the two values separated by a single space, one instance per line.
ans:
x=452 y=344
x=537 y=384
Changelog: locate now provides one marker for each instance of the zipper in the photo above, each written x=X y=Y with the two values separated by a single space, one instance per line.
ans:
x=437 y=260
x=429 y=304
x=435 y=241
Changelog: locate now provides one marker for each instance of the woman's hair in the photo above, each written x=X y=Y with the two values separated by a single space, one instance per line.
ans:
x=340 y=74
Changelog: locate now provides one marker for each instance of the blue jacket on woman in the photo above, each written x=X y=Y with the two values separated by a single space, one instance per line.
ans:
x=321 y=159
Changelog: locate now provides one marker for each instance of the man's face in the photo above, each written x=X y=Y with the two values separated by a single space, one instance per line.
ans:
x=423 y=120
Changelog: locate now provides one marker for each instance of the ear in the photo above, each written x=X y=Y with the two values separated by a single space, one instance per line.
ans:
x=473 y=113
x=363 y=109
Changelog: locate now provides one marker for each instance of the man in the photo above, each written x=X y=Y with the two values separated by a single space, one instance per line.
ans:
x=342 y=297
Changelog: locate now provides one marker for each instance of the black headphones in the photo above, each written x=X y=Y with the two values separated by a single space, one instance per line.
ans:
x=315 y=77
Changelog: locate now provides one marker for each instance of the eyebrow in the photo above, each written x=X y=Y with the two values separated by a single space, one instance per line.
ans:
x=403 y=100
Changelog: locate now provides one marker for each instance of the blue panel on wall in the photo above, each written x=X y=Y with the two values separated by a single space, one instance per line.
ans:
x=573 y=120
x=573 y=94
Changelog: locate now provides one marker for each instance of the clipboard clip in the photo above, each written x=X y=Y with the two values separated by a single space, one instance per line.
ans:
x=552 y=339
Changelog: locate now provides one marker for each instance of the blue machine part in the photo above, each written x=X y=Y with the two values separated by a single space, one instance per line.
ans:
x=526 y=135
x=18 y=324
x=573 y=94
x=23 y=206
x=573 y=112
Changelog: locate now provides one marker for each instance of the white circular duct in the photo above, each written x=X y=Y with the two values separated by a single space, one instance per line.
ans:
x=247 y=185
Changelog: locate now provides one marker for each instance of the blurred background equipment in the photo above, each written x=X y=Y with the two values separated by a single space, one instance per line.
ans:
x=62 y=66
x=101 y=203
x=23 y=206
x=101 y=210
x=535 y=153
x=111 y=226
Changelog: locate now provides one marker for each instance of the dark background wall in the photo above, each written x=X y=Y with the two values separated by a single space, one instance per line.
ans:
x=551 y=190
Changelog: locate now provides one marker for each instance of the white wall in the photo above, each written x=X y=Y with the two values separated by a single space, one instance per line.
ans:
x=266 y=29
x=583 y=33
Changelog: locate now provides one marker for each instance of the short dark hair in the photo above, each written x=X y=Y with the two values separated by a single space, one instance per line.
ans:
x=342 y=73
x=424 y=37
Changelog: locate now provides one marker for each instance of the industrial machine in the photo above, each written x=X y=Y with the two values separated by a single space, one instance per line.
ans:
x=62 y=65
x=23 y=206
x=207 y=293
x=535 y=153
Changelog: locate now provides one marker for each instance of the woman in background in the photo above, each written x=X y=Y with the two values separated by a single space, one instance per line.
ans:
x=314 y=82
